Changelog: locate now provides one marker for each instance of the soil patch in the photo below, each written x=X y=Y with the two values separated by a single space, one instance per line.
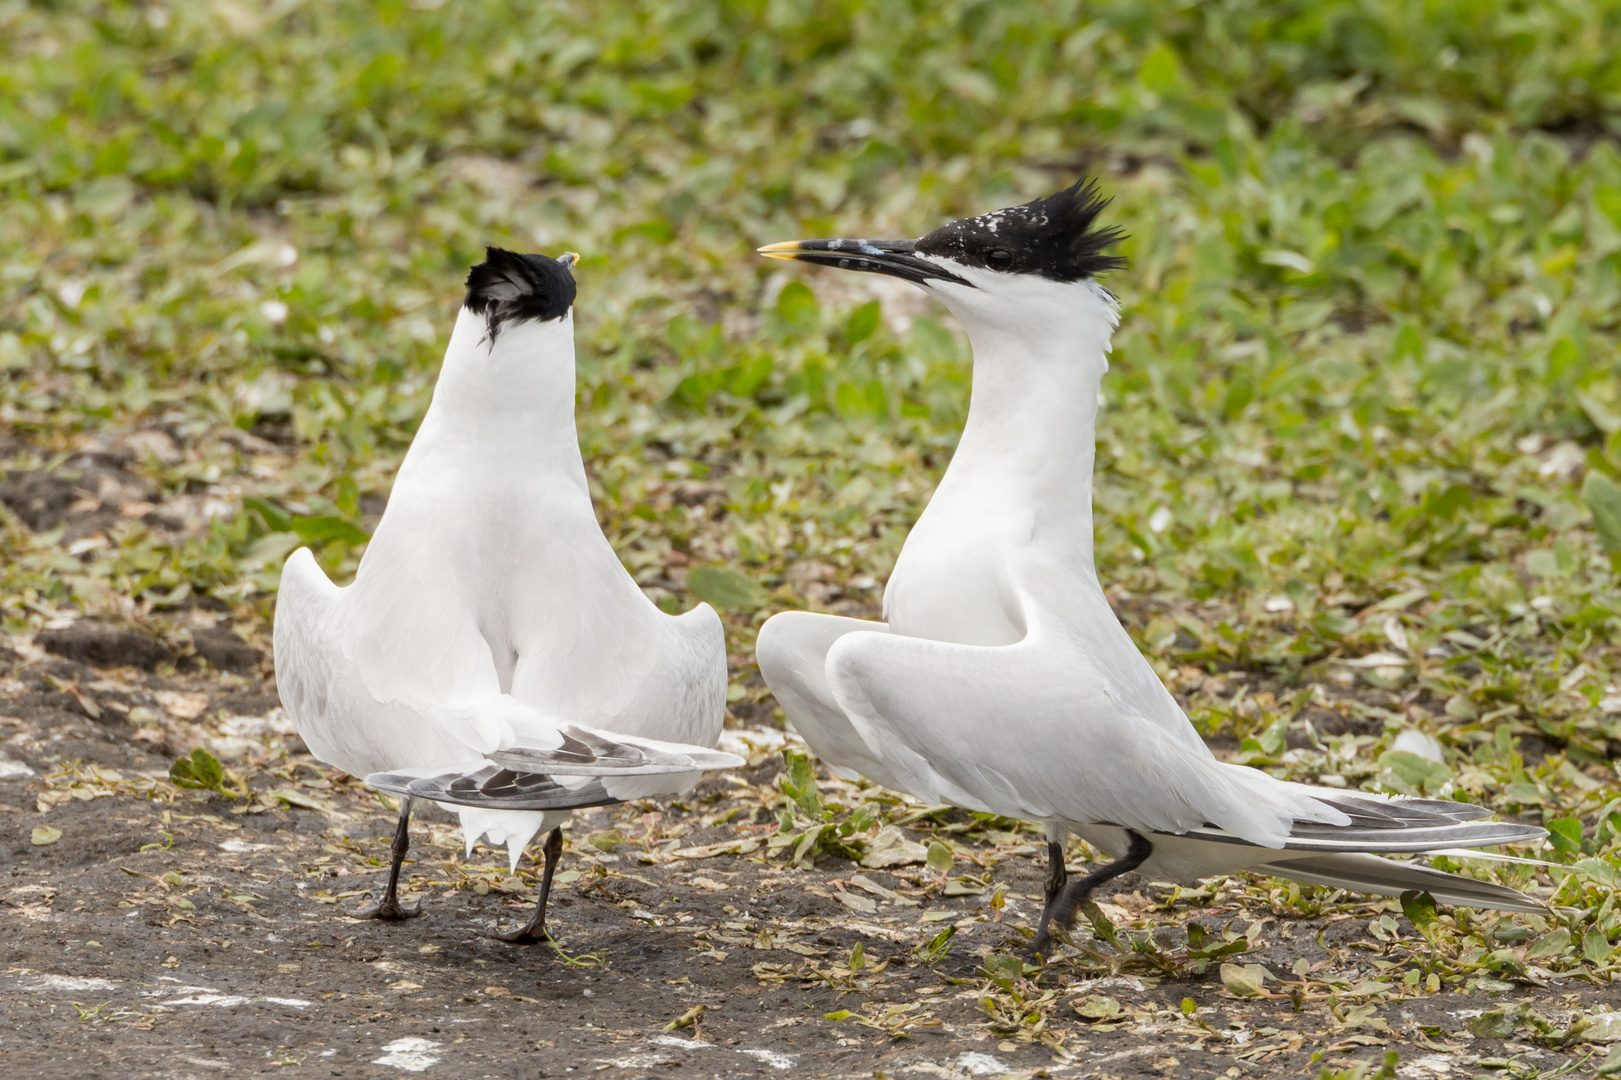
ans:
x=173 y=933
x=101 y=644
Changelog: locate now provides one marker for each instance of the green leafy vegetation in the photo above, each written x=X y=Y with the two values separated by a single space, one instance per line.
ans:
x=203 y=771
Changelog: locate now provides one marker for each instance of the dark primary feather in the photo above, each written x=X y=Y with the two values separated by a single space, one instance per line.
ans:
x=495 y=788
x=1057 y=237
x=587 y=753
x=1395 y=825
x=1314 y=837
x=1400 y=813
x=521 y=777
x=509 y=288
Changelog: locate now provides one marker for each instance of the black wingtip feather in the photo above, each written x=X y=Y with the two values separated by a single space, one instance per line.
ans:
x=495 y=788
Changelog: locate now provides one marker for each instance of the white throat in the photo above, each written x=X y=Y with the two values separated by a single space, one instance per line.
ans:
x=516 y=390
x=502 y=416
x=1022 y=473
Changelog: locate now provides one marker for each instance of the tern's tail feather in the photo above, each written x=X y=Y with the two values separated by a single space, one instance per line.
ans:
x=1370 y=873
x=1348 y=855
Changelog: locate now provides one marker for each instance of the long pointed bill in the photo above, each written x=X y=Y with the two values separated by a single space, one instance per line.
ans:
x=892 y=257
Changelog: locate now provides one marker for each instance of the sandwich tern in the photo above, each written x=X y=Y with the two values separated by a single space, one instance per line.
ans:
x=1001 y=680
x=492 y=654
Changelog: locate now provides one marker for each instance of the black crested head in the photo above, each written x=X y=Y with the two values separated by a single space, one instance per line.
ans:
x=1057 y=237
x=508 y=288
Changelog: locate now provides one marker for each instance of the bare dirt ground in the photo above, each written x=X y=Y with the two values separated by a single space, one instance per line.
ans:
x=156 y=931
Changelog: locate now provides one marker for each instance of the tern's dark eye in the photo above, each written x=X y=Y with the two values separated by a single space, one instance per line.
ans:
x=1000 y=258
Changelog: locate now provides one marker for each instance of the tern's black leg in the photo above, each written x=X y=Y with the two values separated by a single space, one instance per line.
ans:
x=1056 y=873
x=1061 y=904
x=535 y=929
x=389 y=906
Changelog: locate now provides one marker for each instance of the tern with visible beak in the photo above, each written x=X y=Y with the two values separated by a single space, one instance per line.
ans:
x=1001 y=680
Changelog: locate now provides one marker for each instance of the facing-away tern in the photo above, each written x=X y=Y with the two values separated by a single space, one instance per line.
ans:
x=1001 y=680
x=493 y=654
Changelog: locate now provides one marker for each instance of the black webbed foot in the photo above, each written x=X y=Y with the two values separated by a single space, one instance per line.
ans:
x=534 y=930
x=530 y=933
x=389 y=908
x=1057 y=873
x=1063 y=901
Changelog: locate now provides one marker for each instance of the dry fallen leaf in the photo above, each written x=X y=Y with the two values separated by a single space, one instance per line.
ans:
x=181 y=704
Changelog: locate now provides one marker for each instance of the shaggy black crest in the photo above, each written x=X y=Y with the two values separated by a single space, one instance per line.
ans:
x=1056 y=237
x=508 y=288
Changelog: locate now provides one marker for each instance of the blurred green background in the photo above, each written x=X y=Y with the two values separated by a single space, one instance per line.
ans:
x=1365 y=396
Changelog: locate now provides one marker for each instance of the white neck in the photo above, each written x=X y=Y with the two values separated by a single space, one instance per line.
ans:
x=1030 y=439
x=1022 y=473
x=514 y=395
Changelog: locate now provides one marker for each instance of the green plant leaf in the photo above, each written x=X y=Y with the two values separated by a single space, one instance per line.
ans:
x=317 y=531
x=202 y=770
x=1565 y=834
x=1599 y=870
x=1096 y=1007
x=1595 y=946
x=1608 y=199
x=1243 y=980
x=1419 y=907
x=275 y=518
x=797 y=307
x=1101 y=926
x=726 y=589
x=207 y=768
x=1603 y=497
x=799 y=783
x=1553 y=943
x=1004 y=969
x=863 y=322
x=1421 y=773
x=1495 y=1023
x=937 y=947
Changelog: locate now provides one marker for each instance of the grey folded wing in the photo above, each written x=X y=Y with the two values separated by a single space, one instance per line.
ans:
x=496 y=788
x=587 y=752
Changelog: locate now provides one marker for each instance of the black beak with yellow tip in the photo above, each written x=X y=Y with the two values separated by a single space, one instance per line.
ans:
x=896 y=258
